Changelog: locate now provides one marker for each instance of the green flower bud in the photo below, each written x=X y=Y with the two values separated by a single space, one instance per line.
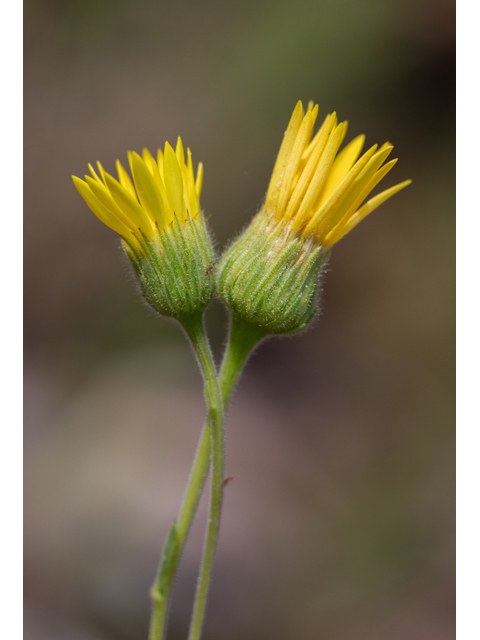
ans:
x=270 y=279
x=174 y=269
x=270 y=275
x=163 y=231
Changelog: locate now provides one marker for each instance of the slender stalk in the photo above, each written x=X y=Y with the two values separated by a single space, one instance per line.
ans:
x=242 y=340
x=178 y=532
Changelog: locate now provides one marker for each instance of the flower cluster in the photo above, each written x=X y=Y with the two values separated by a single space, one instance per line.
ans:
x=270 y=275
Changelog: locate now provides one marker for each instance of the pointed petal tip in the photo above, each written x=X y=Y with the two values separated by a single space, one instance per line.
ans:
x=386 y=147
x=298 y=109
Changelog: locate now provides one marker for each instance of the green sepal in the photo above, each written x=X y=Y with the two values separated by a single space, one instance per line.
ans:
x=270 y=278
x=174 y=270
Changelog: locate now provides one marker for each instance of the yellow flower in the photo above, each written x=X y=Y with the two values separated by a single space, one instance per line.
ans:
x=161 y=191
x=162 y=227
x=269 y=277
x=317 y=192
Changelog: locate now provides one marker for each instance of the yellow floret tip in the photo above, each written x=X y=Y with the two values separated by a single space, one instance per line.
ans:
x=316 y=191
x=161 y=190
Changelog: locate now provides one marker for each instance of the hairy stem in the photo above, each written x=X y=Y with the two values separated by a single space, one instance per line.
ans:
x=242 y=340
x=178 y=532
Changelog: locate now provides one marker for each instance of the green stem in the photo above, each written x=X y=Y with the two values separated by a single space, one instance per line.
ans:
x=179 y=531
x=243 y=338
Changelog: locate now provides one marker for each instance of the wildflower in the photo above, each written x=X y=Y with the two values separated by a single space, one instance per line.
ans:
x=160 y=222
x=270 y=275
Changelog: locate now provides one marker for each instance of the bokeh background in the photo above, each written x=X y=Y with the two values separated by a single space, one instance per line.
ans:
x=339 y=521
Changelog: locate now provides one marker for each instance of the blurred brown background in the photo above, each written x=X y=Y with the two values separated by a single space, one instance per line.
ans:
x=339 y=521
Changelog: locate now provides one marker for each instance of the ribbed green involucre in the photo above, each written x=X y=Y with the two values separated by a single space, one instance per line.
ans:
x=174 y=269
x=270 y=278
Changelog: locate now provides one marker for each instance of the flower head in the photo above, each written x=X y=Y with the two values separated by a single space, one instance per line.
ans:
x=270 y=276
x=318 y=192
x=161 y=190
x=159 y=219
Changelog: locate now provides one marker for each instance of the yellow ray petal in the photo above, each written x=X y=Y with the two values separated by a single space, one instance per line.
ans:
x=101 y=192
x=130 y=162
x=101 y=171
x=301 y=141
x=167 y=210
x=191 y=175
x=148 y=159
x=180 y=153
x=335 y=198
x=312 y=166
x=312 y=145
x=100 y=210
x=361 y=182
x=372 y=204
x=173 y=182
x=125 y=180
x=336 y=213
x=148 y=191
x=321 y=175
x=342 y=165
x=284 y=152
x=160 y=162
x=337 y=230
x=194 y=207
x=94 y=175
x=129 y=204
x=199 y=180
